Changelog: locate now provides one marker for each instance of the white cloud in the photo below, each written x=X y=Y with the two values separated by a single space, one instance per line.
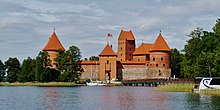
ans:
x=85 y=23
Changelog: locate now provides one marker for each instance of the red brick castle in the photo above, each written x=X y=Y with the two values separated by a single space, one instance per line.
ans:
x=129 y=62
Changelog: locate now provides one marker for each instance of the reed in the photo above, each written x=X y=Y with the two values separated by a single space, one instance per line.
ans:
x=210 y=92
x=186 y=87
x=47 y=84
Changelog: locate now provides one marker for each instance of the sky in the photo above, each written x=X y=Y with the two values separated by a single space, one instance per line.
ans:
x=26 y=25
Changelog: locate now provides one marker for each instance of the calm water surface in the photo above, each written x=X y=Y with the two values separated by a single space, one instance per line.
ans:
x=102 y=98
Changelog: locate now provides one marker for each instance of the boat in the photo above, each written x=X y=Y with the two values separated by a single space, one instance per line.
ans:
x=91 y=83
x=101 y=83
x=206 y=83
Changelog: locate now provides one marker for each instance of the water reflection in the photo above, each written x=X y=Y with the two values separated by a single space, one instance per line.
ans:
x=50 y=98
x=102 y=98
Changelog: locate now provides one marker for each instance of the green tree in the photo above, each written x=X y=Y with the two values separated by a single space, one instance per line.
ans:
x=27 y=70
x=68 y=64
x=176 y=59
x=192 y=51
x=216 y=28
x=2 y=71
x=13 y=69
x=42 y=68
x=94 y=58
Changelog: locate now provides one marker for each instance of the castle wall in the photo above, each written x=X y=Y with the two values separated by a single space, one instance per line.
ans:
x=160 y=64
x=91 y=69
x=131 y=70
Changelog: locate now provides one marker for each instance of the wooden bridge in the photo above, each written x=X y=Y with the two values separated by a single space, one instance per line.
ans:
x=154 y=82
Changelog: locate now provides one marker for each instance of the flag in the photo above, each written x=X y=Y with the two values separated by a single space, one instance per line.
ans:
x=109 y=35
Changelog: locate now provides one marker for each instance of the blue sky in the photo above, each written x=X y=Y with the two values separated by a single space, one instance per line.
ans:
x=26 y=25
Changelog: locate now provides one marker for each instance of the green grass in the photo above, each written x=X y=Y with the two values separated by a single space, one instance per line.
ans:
x=187 y=87
x=210 y=92
x=48 y=84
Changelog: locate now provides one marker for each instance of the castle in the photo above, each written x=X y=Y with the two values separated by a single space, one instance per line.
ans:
x=129 y=62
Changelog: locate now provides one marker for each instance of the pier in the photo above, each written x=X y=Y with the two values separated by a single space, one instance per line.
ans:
x=154 y=82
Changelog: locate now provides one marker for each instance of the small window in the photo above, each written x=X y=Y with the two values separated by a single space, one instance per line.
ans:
x=153 y=59
x=161 y=59
x=129 y=59
x=129 y=54
x=138 y=59
x=121 y=54
x=163 y=65
x=121 y=48
x=147 y=64
x=121 y=59
x=159 y=71
x=156 y=65
x=107 y=62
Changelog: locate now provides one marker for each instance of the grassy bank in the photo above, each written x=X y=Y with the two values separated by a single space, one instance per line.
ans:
x=176 y=87
x=210 y=92
x=48 y=84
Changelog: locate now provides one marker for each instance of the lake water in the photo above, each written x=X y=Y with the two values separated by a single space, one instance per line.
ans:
x=102 y=98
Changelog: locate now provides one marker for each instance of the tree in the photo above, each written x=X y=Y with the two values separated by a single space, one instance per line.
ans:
x=68 y=64
x=216 y=28
x=43 y=64
x=13 y=69
x=94 y=58
x=27 y=70
x=192 y=51
x=176 y=59
x=2 y=71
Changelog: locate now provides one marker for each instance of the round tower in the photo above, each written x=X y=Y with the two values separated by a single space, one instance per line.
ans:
x=52 y=47
x=160 y=59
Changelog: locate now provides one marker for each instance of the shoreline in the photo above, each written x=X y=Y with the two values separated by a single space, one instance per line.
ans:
x=42 y=84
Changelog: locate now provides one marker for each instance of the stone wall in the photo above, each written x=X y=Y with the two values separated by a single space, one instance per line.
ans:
x=134 y=73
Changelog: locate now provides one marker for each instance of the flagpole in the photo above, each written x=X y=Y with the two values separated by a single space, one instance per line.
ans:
x=107 y=40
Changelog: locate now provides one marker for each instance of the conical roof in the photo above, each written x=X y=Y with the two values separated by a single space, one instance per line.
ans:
x=143 y=49
x=53 y=43
x=126 y=35
x=160 y=44
x=107 y=51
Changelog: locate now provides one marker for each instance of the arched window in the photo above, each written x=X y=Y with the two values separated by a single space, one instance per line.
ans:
x=156 y=65
x=107 y=61
x=163 y=65
x=161 y=59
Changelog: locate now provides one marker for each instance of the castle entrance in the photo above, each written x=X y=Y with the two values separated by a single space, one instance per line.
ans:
x=108 y=76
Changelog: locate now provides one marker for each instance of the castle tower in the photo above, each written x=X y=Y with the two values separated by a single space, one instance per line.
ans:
x=52 y=47
x=126 y=46
x=107 y=60
x=160 y=58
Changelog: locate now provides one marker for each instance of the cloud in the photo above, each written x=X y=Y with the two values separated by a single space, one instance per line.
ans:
x=27 y=25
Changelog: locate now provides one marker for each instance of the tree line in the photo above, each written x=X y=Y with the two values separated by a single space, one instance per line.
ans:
x=39 y=69
x=200 y=56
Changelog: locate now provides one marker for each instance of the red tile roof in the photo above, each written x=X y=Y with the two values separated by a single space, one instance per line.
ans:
x=107 y=51
x=160 y=44
x=126 y=35
x=53 y=43
x=143 y=49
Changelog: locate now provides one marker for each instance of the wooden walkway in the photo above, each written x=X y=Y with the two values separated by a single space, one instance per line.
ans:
x=154 y=82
